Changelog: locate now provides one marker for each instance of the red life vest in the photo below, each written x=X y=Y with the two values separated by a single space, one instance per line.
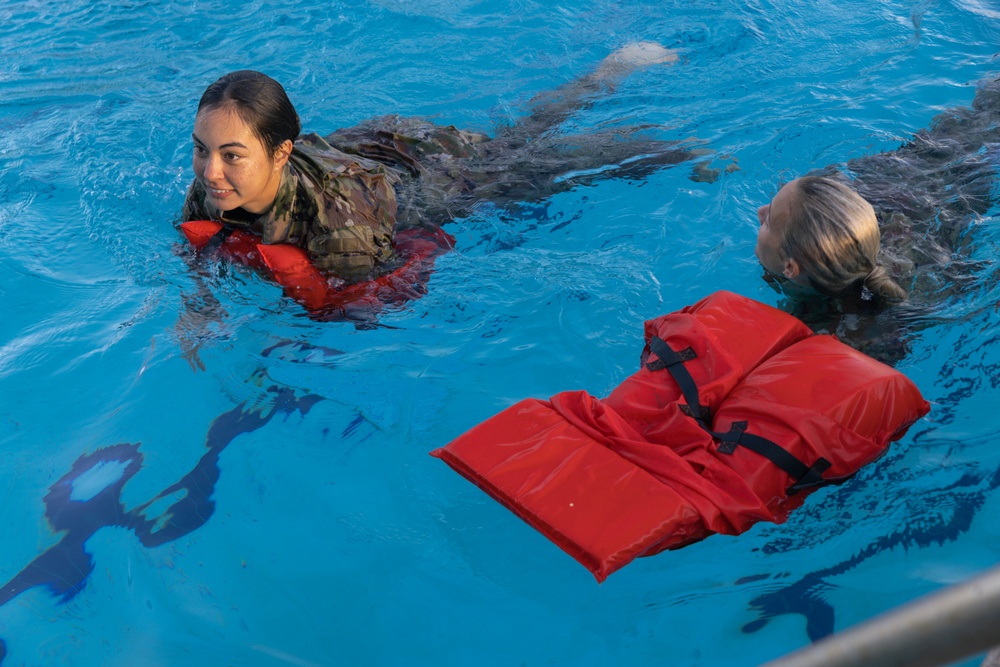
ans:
x=738 y=412
x=291 y=268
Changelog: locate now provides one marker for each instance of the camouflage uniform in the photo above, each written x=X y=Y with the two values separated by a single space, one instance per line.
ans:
x=444 y=172
x=342 y=196
x=435 y=164
x=340 y=208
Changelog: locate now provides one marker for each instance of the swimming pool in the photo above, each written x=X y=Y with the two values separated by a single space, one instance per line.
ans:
x=318 y=530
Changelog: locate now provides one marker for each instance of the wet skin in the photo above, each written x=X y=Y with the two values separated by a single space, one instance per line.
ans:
x=233 y=164
x=773 y=218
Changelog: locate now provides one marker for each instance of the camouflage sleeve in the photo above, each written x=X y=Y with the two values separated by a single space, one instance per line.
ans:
x=194 y=208
x=351 y=235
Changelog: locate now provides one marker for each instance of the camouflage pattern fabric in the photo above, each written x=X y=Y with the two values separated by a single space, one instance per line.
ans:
x=342 y=196
x=434 y=164
x=444 y=172
x=340 y=208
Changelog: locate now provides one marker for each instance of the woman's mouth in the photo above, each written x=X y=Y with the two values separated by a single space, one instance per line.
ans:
x=216 y=192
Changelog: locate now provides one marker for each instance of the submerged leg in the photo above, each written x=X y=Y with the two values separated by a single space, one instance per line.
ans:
x=550 y=108
x=555 y=164
x=445 y=171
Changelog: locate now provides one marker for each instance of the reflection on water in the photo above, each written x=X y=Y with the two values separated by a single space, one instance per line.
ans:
x=88 y=498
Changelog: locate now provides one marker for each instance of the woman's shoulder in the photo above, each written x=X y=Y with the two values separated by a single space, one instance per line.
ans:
x=332 y=187
x=314 y=148
x=316 y=158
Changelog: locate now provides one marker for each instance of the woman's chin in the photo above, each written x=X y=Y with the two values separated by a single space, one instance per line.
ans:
x=224 y=203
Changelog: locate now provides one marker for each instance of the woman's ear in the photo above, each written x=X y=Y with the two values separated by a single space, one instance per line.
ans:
x=792 y=269
x=282 y=153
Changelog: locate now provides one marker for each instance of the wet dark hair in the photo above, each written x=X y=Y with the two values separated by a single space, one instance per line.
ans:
x=259 y=101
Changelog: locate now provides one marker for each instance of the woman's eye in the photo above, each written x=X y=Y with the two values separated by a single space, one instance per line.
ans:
x=200 y=151
x=232 y=157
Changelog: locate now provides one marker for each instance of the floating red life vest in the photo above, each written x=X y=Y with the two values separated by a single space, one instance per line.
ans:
x=291 y=268
x=738 y=412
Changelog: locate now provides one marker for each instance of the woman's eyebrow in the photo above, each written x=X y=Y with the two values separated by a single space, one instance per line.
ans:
x=232 y=144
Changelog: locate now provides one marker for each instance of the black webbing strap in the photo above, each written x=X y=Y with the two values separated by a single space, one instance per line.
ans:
x=673 y=361
x=803 y=475
x=216 y=240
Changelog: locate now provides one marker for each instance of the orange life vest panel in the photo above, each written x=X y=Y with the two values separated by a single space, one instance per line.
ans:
x=737 y=413
x=291 y=267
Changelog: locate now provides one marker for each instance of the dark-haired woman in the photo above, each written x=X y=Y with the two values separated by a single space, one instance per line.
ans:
x=341 y=197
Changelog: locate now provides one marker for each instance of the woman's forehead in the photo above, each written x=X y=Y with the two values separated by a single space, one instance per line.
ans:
x=223 y=125
x=782 y=201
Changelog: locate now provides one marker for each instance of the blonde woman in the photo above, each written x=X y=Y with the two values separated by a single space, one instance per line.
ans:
x=820 y=234
x=896 y=229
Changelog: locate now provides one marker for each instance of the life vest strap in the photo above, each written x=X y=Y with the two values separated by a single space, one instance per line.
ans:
x=673 y=362
x=804 y=476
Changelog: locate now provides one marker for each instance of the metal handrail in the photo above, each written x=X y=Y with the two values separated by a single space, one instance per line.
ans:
x=935 y=630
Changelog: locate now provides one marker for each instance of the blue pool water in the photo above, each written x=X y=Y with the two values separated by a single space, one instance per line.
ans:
x=316 y=529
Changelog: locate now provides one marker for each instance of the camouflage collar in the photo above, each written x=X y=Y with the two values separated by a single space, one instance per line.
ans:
x=274 y=224
x=277 y=222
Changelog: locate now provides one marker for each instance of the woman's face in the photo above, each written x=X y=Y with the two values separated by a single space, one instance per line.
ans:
x=774 y=219
x=232 y=163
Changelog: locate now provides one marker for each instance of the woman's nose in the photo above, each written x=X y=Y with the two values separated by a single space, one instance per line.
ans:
x=213 y=169
x=762 y=213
